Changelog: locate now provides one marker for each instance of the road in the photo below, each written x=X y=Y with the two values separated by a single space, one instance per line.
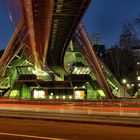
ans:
x=24 y=129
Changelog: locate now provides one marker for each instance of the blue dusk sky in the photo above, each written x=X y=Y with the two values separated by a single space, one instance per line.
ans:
x=103 y=16
x=6 y=28
x=106 y=17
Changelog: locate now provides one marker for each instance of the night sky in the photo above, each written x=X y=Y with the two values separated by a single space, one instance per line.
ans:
x=103 y=16
x=6 y=28
x=107 y=16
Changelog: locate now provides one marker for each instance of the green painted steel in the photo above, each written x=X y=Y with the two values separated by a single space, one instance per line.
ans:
x=25 y=92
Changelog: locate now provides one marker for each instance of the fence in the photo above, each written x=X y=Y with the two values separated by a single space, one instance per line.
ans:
x=132 y=103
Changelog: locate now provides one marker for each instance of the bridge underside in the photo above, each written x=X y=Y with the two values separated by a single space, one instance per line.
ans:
x=23 y=80
x=51 y=23
x=37 y=69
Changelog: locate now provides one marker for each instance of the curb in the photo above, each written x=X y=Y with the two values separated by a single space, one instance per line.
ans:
x=97 y=121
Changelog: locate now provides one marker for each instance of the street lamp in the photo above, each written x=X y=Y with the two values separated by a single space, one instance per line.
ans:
x=132 y=85
x=124 y=81
x=128 y=85
x=138 y=78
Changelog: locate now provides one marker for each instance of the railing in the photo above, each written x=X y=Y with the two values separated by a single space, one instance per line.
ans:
x=131 y=103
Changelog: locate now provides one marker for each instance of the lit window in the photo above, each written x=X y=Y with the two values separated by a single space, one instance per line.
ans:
x=39 y=94
x=80 y=94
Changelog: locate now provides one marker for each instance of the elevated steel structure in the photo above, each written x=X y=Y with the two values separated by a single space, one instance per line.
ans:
x=45 y=31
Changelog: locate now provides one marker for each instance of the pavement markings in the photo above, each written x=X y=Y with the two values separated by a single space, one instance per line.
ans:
x=30 y=136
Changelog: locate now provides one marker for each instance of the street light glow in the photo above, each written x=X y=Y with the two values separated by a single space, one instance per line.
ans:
x=57 y=97
x=124 y=81
x=70 y=97
x=128 y=85
x=132 y=85
x=50 y=97
x=64 y=97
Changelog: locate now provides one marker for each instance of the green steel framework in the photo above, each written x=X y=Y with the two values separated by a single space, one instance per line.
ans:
x=41 y=61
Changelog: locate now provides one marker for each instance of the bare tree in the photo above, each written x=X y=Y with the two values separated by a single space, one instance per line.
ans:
x=132 y=28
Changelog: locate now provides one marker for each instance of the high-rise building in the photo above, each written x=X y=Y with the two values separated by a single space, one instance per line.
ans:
x=96 y=39
x=97 y=46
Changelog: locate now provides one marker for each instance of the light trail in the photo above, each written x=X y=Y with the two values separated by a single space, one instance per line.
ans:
x=67 y=107
x=29 y=136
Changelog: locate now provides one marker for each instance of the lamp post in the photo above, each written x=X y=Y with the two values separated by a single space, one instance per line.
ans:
x=124 y=81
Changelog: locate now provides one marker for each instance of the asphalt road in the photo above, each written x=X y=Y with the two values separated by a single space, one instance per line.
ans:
x=24 y=129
